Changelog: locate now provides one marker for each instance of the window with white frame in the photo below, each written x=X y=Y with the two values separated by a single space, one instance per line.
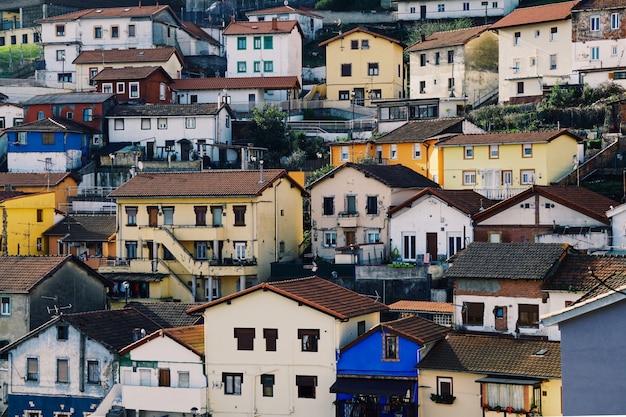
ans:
x=594 y=23
x=118 y=123
x=162 y=91
x=393 y=151
x=417 y=151
x=107 y=88
x=409 y=251
x=145 y=123
x=527 y=150
x=507 y=177
x=190 y=122
x=345 y=153
x=330 y=239
x=444 y=387
x=468 y=152
x=615 y=21
x=553 y=61
x=469 y=177
x=553 y=33
x=373 y=237
x=516 y=38
x=162 y=123
x=441 y=7
x=466 y=5
x=613 y=50
x=494 y=151
x=240 y=250
x=505 y=395
x=372 y=68
x=183 y=379
x=595 y=53
x=516 y=65
x=527 y=176
x=5 y=305
x=133 y=89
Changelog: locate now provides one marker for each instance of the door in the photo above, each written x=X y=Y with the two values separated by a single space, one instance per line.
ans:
x=350 y=237
x=431 y=246
x=422 y=12
x=153 y=216
x=185 y=148
x=455 y=242
x=150 y=150
x=164 y=377
x=359 y=96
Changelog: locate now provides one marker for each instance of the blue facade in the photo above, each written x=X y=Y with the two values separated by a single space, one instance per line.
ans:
x=20 y=405
x=63 y=141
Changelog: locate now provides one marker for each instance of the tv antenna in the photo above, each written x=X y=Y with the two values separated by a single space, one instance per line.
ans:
x=57 y=309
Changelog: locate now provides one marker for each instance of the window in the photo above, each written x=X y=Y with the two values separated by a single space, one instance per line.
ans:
x=450 y=84
x=528 y=315
x=64 y=77
x=240 y=215
x=422 y=60
x=5 y=307
x=372 y=68
x=144 y=377
x=613 y=50
x=516 y=66
x=241 y=66
x=309 y=338
x=245 y=338
x=532 y=61
x=376 y=93
x=162 y=123
x=190 y=122
x=527 y=150
x=131 y=216
x=494 y=151
x=351 y=204
x=97 y=32
x=373 y=237
x=553 y=61
x=32 y=369
x=267 y=382
x=256 y=66
x=60 y=30
x=344 y=95
x=330 y=239
x=25 y=38
x=133 y=89
x=413 y=10
x=494 y=4
x=268 y=42
x=354 y=44
x=328 y=208
x=594 y=23
x=595 y=53
x=444 y=386
x=120 y=88
x=516 y=38
x=466 y=6
x=107 y=88
x=60 y=53
x=119 y=124
x=346 y=70
x=62 y=332
x=240 y=250
x=390 y=346
x=270 y=336
x=201 y=250
x=162 y=91
x=131 y=31
x=473 y=313
x=615 y=21
x=408 y=247
x=527 y=176
x=345 y=153
x=241 y=43
x=505 y=395
x=360 y=327
x=115 y=32
x=441 y=7
x=365 y=44
x=468 y=152
x=268 y=66
x=257 y=42
x=145 y=124
x=3 y=123
x=63 y=370
x=507 y=177
x=200 y=215
x=553 y=33
x=422 y=87
x=232 y=383
x=437 y=58
x=47 y=138
x=371 y=204
x=306 y=386
x=520 y=87
x=131 y=249
x=13 y=40
x=393 y=151
x=450 y=57
x=21 y=138
x=93 y=372
x=183 y=379
x=469 y=177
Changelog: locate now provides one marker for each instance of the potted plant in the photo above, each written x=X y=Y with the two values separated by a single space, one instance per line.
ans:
x=442 y=399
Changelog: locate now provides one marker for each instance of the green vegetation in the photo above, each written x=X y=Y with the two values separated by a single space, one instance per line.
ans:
x=14 y=56
x=428 y=27
x=347 y=5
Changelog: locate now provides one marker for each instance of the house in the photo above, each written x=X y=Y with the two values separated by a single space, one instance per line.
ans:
x=25 y=218
x=438 y=311
x=362 y=65
x=434 y=224
x=261 y=49
x=497 y=287
x=380 y=365
x=203 y=54
x=499 y=165
x=350 y=206
x=161 y=373
x=143 y=85
x=617 y=217
x=213 y=232
x=49 y=145
x=168 y=314
x=69 y=363
x=488 y=376
x=35 y=288
x=89 y=237
x=598 y=41
x=176 y=132
x=459 y=66
x=454 y=9
x=596 y=315
x=64 y=184
x=535 y=51
x=292 y=366
x=90 y=63
x=310 y=22
x=548 y=214
x=11 y=114
x=65 y=36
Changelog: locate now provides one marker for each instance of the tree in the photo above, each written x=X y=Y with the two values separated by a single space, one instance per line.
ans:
x=268 y=130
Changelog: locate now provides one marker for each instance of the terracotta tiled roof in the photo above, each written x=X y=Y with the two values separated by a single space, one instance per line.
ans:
x=239 y=83
x=129 y=73
x=599 y=5
x=197 y=109
x=506 y=138
x=7 y=195
x=579 y=199
x=68 y=98
x=212 y=183
x=34 y=179
x=168 y=314
x=393 y=176
x=84 y=228
x=582 y=272
x=495 y=356
x=113 y=328
x=421 y=130
x=466 y=201
x=361 y=30
x=283 y=10
x=112 y=12
x=536 y=14
x=263 y=28
x=191 y=337
x=110 y=56
x=422 y=306
x=20 y=274
x=314 y=292
x=613 y=283
x=417 y=328
x=196 y=31
x=529 y=261
x=53 y=125
x=448 y=38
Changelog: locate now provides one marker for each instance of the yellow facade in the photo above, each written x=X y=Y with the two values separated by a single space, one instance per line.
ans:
x=24 y=219
x=364 y=65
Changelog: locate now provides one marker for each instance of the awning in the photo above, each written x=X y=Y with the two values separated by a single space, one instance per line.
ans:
x=371 y=386
x=511 y=381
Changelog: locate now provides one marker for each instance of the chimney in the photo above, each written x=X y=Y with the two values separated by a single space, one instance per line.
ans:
x=232 y=19
x=423 y=37
x=7 y=188
x=274 y=23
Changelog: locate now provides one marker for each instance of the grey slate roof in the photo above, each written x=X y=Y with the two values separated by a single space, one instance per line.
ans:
x=466 y=201
x=393 y=176
x=129 y=110
x=52 y=125
x=421 y=130
x=481 y=260
x=84 y=228
x=68 y=98
x=168 y=314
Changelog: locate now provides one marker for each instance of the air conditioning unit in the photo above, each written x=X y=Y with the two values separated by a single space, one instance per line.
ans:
x=97 y=139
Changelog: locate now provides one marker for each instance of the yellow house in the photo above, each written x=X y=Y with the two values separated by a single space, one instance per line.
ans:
x=499 y=165
x=64 y=184
x=24 y=219
x=198 y=236
x=362 y=66
x=490 y=376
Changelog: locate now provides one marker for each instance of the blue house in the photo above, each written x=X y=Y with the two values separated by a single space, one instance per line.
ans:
x=376 y=373
x=48 y=145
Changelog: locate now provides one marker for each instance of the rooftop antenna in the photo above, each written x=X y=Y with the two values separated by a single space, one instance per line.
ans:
x=56 y=308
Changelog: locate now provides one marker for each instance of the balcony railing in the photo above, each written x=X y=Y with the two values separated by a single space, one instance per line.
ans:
x=499 y=193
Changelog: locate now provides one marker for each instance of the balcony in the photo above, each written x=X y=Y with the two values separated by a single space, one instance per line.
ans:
x=206 y=267
x=499 y=193
x=347 y=219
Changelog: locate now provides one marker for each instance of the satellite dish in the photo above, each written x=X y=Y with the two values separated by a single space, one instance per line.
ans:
x=140 y=165
x=285 y=2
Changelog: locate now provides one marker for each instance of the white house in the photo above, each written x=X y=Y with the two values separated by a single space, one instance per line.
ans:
x=535 y=51
x=11 y=114
x=434 y=222
x=261 y=49
x=175 y=132
x=310 y=22
x=280 y=360
x=162 y=373
x=617 y=215
x=453 y=9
